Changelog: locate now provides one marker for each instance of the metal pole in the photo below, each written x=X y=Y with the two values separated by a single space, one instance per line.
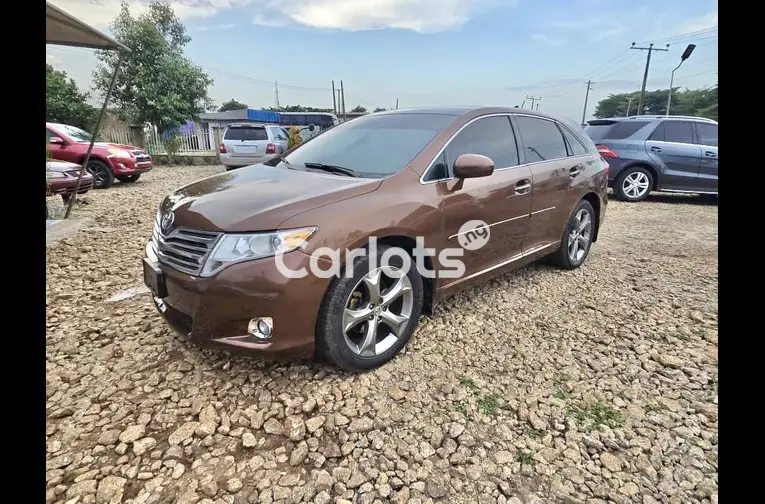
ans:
x=334 y=101
x=342 y=99
x=629 y=104
x=396 y=103
x=671 y=82
x=93 y=137
x=586 y=97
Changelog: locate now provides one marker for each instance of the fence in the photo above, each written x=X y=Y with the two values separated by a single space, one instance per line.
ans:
x=199 y=142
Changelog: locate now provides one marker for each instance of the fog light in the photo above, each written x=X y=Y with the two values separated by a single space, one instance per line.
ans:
x=261 y=327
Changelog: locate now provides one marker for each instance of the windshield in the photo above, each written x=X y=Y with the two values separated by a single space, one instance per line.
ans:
x=374 y=146
x=75 y=134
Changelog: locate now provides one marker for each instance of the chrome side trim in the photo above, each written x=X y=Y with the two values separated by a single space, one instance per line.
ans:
x=543 y=210
x=685 y=192
x=505 y=263
x=492 y=225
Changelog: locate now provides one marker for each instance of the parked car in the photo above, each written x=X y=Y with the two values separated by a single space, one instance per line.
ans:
x=108 y=161
x=62 y=179
x=251 y=143
x=522 y=185
x=657 y=153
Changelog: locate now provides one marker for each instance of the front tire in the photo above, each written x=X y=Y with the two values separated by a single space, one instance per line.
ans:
x=102 y=175
x=130 y=179
x=633 y=184
x=577 y=237
x=366 y=319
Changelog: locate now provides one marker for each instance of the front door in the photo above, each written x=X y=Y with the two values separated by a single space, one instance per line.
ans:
x=672 y=149
x=488 y=216
x=706 y=135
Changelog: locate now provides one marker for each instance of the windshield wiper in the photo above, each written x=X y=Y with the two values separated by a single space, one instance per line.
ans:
x=333 y=169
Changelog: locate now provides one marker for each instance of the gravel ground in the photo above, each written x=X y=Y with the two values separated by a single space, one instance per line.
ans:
x=596 y=385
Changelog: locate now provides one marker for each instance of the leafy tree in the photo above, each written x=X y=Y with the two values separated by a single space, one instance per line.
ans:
x=232 y=105
x=64 y=102
x=358 y=109
x=156 y=83
x=379 y=109
x=694 y=102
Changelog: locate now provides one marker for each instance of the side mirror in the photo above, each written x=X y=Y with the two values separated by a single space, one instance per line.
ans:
x=473 y=166
x=57 y=140
x=311 y=127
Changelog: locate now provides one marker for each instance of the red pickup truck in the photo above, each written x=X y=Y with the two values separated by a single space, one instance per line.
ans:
x=108 y=161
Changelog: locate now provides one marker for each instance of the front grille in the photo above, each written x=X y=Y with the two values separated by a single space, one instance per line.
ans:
x=183 y=249
x=141 y=156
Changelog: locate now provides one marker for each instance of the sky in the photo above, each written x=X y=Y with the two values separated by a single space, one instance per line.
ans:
x=428 y=52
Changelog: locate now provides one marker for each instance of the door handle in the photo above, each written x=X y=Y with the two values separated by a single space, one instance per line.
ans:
x=523 y=186
x=655 y=149
x=710 y=154
x=575 y=170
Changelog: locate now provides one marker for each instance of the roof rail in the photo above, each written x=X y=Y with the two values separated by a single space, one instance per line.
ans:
x=661 y=116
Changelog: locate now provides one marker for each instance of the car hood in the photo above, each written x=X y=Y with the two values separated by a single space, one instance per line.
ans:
x=109 y=145
x=258 y=197
x=61 y=166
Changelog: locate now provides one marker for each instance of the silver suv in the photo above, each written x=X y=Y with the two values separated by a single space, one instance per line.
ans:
x=251 y=143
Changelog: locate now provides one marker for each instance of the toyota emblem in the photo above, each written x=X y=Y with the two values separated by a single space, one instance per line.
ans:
x=167 y=221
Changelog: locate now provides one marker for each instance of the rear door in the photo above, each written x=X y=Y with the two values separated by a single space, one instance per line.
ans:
x=246 y=141
x=706 y=137
x=671 y=147
x=280 y=139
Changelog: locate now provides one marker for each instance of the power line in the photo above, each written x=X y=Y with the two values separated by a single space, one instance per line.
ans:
x=681 y=36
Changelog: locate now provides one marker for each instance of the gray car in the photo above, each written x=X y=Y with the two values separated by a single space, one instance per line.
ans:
x=246 y=144
x=657 y=153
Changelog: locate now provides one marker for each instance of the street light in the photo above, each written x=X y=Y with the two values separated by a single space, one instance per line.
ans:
x=686 y=54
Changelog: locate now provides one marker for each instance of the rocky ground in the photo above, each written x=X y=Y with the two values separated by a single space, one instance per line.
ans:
x=596 y=385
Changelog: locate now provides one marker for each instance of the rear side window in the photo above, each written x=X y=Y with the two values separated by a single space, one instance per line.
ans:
x=278 y=134
x=576 y=147
x=673 y=131
x=246 y=133
x=707 y=134
x=490 y=136
x=614 y=131
x=542 y=139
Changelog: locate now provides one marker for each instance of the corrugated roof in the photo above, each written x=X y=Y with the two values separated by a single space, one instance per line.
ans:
x=62 y=28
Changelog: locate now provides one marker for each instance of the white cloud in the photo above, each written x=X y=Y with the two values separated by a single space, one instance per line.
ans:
x=704 y=22
x=541 y=37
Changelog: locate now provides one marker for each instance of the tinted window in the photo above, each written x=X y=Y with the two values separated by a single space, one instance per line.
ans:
x=597 y=131
x=575 y=145
x=375 y=145
x=622 y=130
x=707 y=133
x=439 y=170
x=542 y=139
x=491 y=136
x=673 y=131
x=246 y=133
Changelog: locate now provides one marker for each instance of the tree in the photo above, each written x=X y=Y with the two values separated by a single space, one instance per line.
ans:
x=156 y=83
x=64 y=102
x=359 y=109
x=379 y=109
x=694 y=102
x=232 y=105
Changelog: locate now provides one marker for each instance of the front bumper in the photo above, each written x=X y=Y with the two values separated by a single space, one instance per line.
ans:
x=125 y=166
x=215 y=311
x=66 y=187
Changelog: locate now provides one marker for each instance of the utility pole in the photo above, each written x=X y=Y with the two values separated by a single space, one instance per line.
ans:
x=650 y=50
x=276 y=92
x=342 y=99
x=334 y=101
x=629 y=104
x=586 y=98
x=686 y=54
x=533 y=99
x=538 y=105
x=396 y=103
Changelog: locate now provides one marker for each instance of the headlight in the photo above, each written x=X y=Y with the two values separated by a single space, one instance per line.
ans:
x=234 y=248
x=57 y=175
x=119 y=153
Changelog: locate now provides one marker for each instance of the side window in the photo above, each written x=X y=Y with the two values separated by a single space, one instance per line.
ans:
x=576 y=147
x=678 y=132
x=439 y=170
x=491 y=136
x=707 y=134
x=658 y=133
x=48 y=134
x=542 y=139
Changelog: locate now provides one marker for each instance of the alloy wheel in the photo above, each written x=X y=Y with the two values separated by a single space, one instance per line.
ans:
x=635 y=185
x=378 y=311
x=580 y=235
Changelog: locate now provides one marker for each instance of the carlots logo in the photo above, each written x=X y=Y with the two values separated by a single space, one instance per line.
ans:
x=326 y=262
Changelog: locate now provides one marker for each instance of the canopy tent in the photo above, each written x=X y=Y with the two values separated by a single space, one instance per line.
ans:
x=64 y=29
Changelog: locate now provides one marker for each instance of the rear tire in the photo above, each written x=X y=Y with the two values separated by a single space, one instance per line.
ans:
x=352 y=331
x=102 y=175
x=633 y=184
x=130 y=178
x=577 y=237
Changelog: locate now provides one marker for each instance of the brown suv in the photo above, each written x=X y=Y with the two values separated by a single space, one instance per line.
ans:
x=339 y=244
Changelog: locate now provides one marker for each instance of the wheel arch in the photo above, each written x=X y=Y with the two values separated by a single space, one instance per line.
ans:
x=593 y=199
